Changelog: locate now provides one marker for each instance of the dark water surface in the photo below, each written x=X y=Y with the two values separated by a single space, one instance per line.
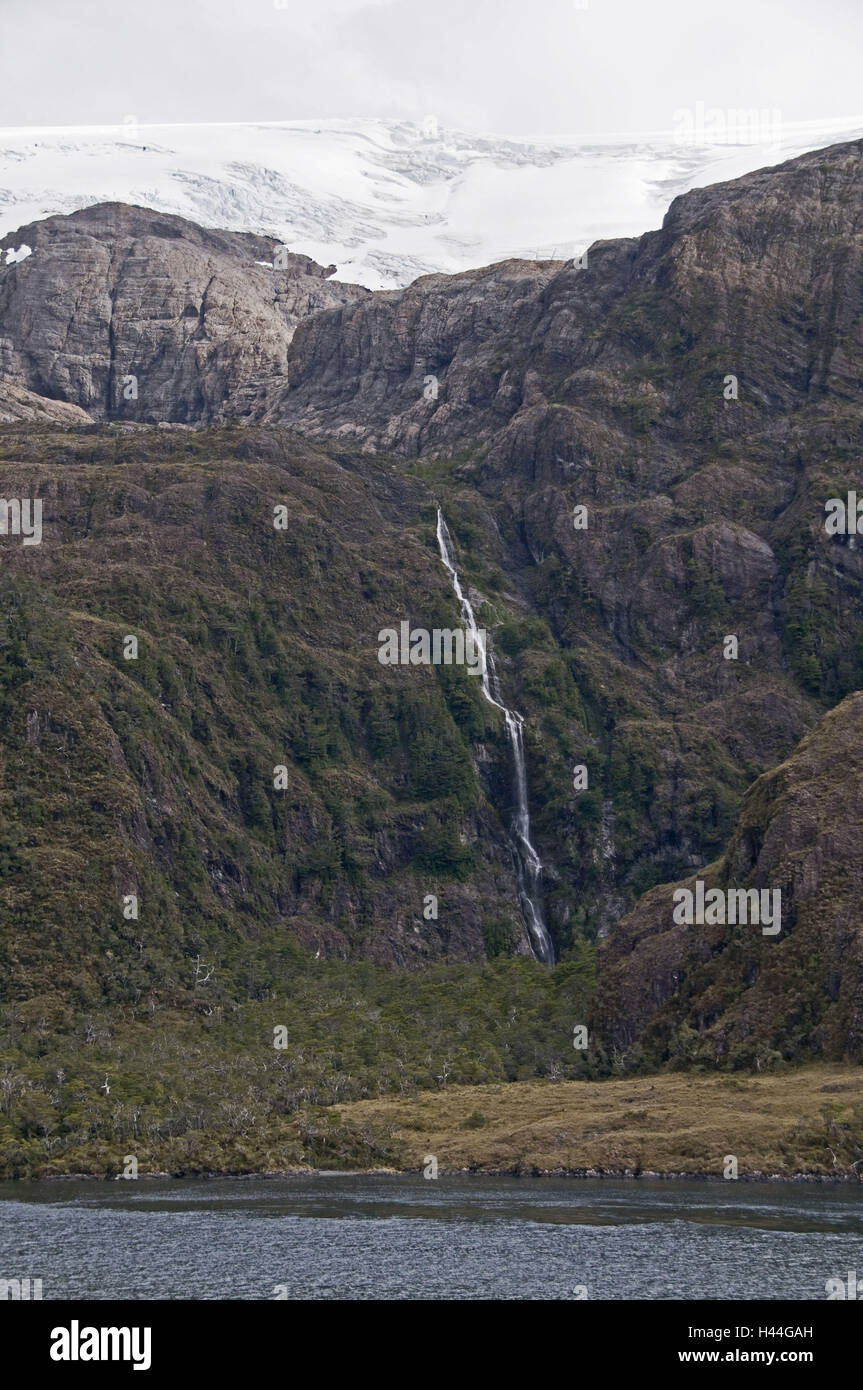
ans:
x=366 y=1237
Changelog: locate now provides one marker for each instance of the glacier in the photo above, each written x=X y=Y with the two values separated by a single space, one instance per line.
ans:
x=387 y=201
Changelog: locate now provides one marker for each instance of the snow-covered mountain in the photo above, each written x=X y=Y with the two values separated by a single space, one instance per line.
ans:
x=385 y=201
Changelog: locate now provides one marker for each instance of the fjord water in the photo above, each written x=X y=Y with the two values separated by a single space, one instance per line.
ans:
x=342 y=1236
x=527 y=860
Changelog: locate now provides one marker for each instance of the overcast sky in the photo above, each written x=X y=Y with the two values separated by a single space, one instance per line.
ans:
x=503 y=66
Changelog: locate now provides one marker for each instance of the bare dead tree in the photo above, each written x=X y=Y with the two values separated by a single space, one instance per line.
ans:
x=200 y=978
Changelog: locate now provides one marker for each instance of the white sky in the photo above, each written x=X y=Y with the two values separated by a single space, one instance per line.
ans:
x=519 y=67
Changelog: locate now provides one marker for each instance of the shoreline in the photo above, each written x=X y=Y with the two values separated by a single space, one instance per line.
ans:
x=570 y=1174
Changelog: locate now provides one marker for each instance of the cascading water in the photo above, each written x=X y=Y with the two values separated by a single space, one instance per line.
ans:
x=528 y=862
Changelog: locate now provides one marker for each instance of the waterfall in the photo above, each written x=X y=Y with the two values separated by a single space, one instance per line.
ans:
x=529 y=866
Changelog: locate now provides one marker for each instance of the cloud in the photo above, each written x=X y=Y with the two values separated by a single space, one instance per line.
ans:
x=501 y=65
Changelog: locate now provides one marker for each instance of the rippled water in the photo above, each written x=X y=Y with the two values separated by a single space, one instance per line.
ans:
x=364 y=1237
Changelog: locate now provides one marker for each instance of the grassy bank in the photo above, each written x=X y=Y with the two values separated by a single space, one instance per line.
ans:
x=807 y=1121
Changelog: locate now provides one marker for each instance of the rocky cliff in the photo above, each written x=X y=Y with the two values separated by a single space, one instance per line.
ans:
x=758 y=278
x=138 y=315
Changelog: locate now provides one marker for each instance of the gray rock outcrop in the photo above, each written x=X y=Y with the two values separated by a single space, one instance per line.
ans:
x=138 y=315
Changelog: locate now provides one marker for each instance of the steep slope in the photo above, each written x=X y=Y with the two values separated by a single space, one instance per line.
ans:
x=697 y=391
x=722 y=993
x=152 y=771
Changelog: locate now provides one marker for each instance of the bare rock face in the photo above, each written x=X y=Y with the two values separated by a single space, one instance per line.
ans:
x=18 y=404
x=418 y=368
x=757 y=278
x=133 y=314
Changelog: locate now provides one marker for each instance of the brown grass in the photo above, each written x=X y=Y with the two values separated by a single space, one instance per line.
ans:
x=804 y=1121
